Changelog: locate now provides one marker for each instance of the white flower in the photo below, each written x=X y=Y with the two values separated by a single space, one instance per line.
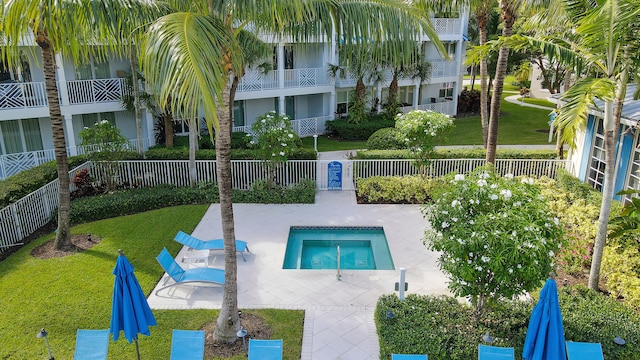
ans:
x=556 y=221
x=445 y=225
x=283 y=144
x=484 y=175
x=455 y=203
x=454 y=219
x=510 y=271
x=519 y=266
x=494 y=186
x=551 y=253
x=104 y=121
x=290 y=135
x=514 y=233
x=485 y=259
x=479 y=268
x=468 y=261
x=482 y=182
x=459 y=177
x=281 y=153
x=493 y=197
x=470 y=254
x=273 y=154
x=264 y=121
x=517 y=203
x=439 y=234
x=471 y=222
x=506 y=193
x=508 y=176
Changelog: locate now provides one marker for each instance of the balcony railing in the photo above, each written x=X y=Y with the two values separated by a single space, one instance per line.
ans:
x=446 y=26
x=445 y=107
x=95 y=91
x=22 y=95
x=443 y=68
x=295 y=78
x=302 y=127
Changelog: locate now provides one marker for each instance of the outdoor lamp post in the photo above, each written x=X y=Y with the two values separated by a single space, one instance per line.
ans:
x=487 y=338
x=242 y=333
x=315 y=142
x=43 y=334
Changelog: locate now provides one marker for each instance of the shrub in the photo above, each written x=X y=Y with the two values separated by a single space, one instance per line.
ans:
x=496 y=236
x=444 y=329
x=386 y=139
x=236 y=154
x=621 y=267
x=397 y=189
x=459 y=153
x=133 y=201
x=346 y=130
x=420 y=129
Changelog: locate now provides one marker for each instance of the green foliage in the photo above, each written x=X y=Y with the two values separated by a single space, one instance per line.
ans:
x=105 y=139
x=420 y=129
x=397 y=189
x=496 y=236
x=134 y=201
x=386 y=139
x=274 y=137
x=208 y=154
x=444 y=329
x=345 y=130
x=25 y=182
x=459 y=153
x=621 y=267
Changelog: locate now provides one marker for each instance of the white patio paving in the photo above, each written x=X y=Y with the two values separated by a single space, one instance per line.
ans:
x=338 y=314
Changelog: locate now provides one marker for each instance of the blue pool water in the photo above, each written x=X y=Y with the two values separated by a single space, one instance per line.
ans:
x=361 y=248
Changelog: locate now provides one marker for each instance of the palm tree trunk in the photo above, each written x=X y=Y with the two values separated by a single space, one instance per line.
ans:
x=136 y=97
x=232 y=97
x=610 y=136
x=501 y=71
x=228 y=322
x=63 y=237
x=167 y=117
x=484 y=86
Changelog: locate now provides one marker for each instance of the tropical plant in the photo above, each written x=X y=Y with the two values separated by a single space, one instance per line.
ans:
x=199 y=49
x=629 y=219
x=420 y=129
x=275 y=139
x=68 y=29
x=495 y=235
x=607 y=51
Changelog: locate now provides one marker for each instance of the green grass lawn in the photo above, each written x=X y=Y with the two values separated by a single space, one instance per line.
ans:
x=74 y=292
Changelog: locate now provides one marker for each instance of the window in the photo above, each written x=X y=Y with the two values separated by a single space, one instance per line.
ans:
x=89 y=120
x=342 y=101
x=20 y=136
x=595 y=177
x=634 y=171
x=446 y=91
x=289 y=105
x=93 y=70
x=238 y=113
x=11 y=137
x=32 y=137
x=288 y=57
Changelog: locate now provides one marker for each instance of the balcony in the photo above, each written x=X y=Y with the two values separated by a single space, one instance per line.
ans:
x=254 y=80
x=447 y=26
x=33 y=94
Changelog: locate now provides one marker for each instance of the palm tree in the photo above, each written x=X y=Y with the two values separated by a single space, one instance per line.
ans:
x=68 y=29
x=191 y=55
x=607 y=49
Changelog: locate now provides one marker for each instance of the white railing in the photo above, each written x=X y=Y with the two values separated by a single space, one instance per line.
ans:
x=443 y=68
x=446 y=26
x=307 y=77
x=22 y=95
x=96 y=91
x=302 y=127
x=28 y=214
x=445 y=107
x=254 y=80
x=11 y=164
x=25 y=216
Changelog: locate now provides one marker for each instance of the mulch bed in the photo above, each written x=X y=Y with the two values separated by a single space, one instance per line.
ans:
x=80 y=243
x=256 y=328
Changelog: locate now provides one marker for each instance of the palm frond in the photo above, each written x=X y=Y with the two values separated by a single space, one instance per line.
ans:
x=185 y=58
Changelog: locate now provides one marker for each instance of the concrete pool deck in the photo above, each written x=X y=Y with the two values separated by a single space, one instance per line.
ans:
x=338 y=314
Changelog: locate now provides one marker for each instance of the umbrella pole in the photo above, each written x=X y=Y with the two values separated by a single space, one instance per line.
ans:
x=137 y=349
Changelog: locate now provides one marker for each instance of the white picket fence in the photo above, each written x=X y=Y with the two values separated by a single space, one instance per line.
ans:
x=35 y=210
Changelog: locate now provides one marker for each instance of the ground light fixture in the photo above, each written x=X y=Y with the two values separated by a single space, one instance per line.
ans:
x=390 y=314
x=487 y=338
x=242 y=333
x=619 y=341
x=43 y=334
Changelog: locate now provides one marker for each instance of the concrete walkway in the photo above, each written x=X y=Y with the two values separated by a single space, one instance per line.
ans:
x=517 y=99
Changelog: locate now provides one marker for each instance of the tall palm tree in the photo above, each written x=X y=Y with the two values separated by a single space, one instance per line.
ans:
x=607 y=51
x=190 y=56
x=68 y=29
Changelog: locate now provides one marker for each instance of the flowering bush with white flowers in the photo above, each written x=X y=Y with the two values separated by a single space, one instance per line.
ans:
x=495 y=235
x=274 y=138
x=420 y=128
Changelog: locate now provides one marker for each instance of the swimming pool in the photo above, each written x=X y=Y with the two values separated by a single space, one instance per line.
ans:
x=316 y=247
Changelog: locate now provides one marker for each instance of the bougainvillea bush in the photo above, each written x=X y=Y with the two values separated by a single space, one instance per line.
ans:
x=495 y=234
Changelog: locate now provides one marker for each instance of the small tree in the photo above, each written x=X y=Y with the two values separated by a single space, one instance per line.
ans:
x=420 y=129
x=104 y=143
x=495 y=235
x=275 y=140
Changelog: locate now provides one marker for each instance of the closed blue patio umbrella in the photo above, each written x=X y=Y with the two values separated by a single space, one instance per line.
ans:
x=545 y=334
x=130 y=311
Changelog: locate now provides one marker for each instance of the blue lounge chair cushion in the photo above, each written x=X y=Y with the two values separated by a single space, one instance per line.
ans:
x=215 y=244
x=486 y=352
x=265 y=349
x=187 y=345
x=182 y=276
x=408 y=357
x=584 y=351
x=92 y=344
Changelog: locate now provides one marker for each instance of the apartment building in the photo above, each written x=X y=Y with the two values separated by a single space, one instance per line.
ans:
x=299 y=85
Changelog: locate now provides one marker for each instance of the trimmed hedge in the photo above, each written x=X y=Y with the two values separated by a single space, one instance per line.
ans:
x=210 y=154
x=444 y=329
x=345 y=130
x=133 y=201
x=397 y=189
x=458 y=153
x=386 y=139
x=25 y=182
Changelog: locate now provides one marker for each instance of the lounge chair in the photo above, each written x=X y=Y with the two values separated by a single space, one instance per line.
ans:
x=486 y=352
x=584 y=351
x=408 y=357
x=92 y=344
x=216 y=244
x=181 y=276
x=265 y=349
x=187 y=345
